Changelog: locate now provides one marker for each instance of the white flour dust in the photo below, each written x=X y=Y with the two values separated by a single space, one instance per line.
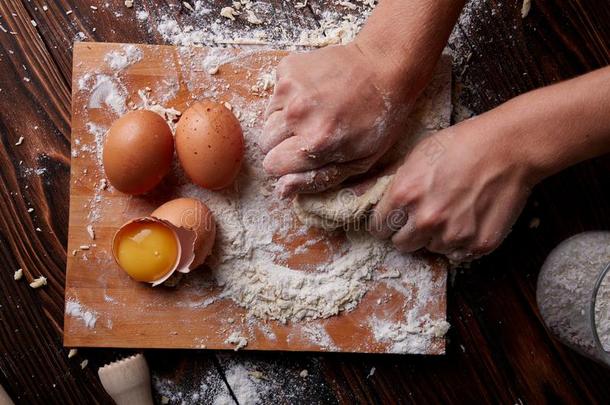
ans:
x=123 y=58
x=247 y=389
x=194 y=389
x=76 y=309
x=263 y=26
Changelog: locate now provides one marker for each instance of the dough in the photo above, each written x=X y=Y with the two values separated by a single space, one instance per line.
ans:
x=336 y=208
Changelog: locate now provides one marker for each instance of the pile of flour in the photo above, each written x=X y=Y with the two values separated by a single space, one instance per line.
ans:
x=251 y=267
x=565 y=287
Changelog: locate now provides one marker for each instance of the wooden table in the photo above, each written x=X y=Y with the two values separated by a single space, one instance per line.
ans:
x=499 y=351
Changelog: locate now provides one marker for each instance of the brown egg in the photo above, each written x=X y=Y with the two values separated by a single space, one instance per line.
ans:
x=210 y=144
x=138 y=152
x=191 y=214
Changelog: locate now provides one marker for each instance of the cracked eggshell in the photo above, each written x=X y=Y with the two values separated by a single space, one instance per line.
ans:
x=191 y=214
x=186 y=246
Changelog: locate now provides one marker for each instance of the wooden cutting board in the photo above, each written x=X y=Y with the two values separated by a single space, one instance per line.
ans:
x=105 y=308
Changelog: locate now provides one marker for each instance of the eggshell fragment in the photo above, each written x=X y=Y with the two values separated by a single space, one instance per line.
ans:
x=186 y=244
x=192 y=214
x=138 y=152
x=210 y=144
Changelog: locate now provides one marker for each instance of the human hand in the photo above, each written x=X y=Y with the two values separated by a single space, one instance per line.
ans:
x=458 y=192
x=333 y=114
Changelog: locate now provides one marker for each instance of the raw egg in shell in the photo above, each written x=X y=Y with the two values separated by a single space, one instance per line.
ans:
x=138 y=152
x=210 y=144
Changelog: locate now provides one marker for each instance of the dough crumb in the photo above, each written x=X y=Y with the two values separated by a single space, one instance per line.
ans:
x=525 y=8
x=252 y=18
x=229 y=12
x=91 y=231
x=236 y=339
x=39 y=282
x=188 y=6
x=72 y=353
x=84 y=363
x=18 y=274
x=256 y=374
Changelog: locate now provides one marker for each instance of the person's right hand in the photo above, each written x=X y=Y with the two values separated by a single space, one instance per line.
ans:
x=333 y=114
x=458 y=192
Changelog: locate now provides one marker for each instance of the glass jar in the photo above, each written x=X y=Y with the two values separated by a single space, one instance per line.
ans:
x=573 y=294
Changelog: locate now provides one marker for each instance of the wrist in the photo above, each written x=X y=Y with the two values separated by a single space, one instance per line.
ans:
x=404 y=39
x=394 y=68
x=500 y=137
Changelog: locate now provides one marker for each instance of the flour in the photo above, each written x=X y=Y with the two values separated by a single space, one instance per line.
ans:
x=196 y=388
x=334 y=27
x=105 y=90
x=119 y=60
x=247 y=389
x=142 y=15
x=237 y=340
x=76 y=309
x=318 y=335
x=565 y=287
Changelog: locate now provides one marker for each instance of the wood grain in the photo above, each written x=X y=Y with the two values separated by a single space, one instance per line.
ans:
x=507 y=355
x=130 y=314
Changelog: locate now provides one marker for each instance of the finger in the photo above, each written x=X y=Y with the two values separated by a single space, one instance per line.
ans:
x=294 y=155
x=389 y=215
x=450 y=242
x=276 y=103
x=315 y=181
x=436 y=245
x=274 y=132
x=409 y=238
x=281 y=90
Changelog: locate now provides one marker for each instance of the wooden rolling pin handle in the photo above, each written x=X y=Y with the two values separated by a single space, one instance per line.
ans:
x=127 y=381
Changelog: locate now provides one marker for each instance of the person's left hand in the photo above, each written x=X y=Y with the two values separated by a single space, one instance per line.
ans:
x=334 y=113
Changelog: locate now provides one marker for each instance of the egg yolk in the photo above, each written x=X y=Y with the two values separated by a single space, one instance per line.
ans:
x=146 y=251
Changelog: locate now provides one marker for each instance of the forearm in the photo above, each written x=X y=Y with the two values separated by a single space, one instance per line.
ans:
x=409 y=36
x=560 y=125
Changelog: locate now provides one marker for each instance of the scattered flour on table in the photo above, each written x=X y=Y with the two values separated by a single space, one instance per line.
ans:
x=237 y=340
x=105 y=90
x=247 y=389
x=266 y=27
x=194 y=389
x=123 y=58
x=76 y=309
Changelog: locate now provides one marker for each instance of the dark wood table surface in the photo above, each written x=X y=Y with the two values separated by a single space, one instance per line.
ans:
x=499 y=350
